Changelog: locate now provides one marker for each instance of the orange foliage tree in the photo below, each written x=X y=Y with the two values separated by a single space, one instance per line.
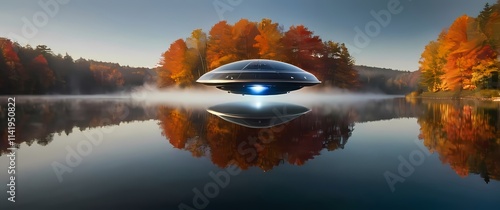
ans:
x=174 y=66
x=12 y=73
x=466 y=55
x=107 y=74
x=244 y=33
x=221 y=45
x=226 y=43
x=463 y=53
x=42 y=77
x=303 y=49
x=268 y=41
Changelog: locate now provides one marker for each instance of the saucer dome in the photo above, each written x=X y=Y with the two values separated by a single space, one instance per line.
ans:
x=258 y=77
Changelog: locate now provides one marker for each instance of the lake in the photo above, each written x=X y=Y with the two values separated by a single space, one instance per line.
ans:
x=346 y=152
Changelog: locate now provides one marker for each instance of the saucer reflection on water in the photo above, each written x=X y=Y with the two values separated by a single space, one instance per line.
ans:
x=258 y=114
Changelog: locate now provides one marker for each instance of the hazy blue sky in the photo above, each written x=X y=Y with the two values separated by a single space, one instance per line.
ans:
x=136 y=33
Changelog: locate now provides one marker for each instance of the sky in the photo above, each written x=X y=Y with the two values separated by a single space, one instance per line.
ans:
x=136 y=33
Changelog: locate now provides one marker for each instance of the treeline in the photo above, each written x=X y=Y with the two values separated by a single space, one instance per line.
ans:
x=465 y=56
x=28 y=70
x=388 y=81
x=187 y=59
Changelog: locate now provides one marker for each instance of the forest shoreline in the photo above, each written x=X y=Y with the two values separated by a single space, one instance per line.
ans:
x=480 y=95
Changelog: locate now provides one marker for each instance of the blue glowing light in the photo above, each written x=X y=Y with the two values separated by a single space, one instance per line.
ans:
x=258 y=88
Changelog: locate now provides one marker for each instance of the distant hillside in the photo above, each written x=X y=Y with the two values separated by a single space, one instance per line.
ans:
x=38 y=71
x=389 y=81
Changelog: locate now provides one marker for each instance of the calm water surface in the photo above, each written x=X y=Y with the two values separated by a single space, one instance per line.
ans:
x=387 y=153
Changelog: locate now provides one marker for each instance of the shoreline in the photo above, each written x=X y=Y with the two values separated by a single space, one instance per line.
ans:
x=480 y=95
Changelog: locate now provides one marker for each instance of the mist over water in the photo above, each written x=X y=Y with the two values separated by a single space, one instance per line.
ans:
x=208 y=96
x=205 y=97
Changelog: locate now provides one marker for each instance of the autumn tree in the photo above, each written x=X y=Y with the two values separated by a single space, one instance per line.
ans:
x=468 y=47
x=268 y=41
x=303 y=49
x=432 y=63
x=490 y=18
x=107 y=75
x=197 y=52
x=221 y=45
x=458 y=68
x=485 y=70
x=338 y=66
x=13 y=76
x=329 y=61
x=174 y=66
x=244 y=33
x=42 y=77
x=466 y=55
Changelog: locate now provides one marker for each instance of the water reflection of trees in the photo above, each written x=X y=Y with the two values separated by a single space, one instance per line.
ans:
x=226 y=143
x=38 y=121
x=466 y=136
x=203 y=134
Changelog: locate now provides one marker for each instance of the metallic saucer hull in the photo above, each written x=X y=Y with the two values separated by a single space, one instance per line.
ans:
x=258 y=114
x=258 y=77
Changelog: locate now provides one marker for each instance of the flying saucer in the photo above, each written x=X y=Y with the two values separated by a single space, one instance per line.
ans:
x=258 y=77
x=258 y=114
